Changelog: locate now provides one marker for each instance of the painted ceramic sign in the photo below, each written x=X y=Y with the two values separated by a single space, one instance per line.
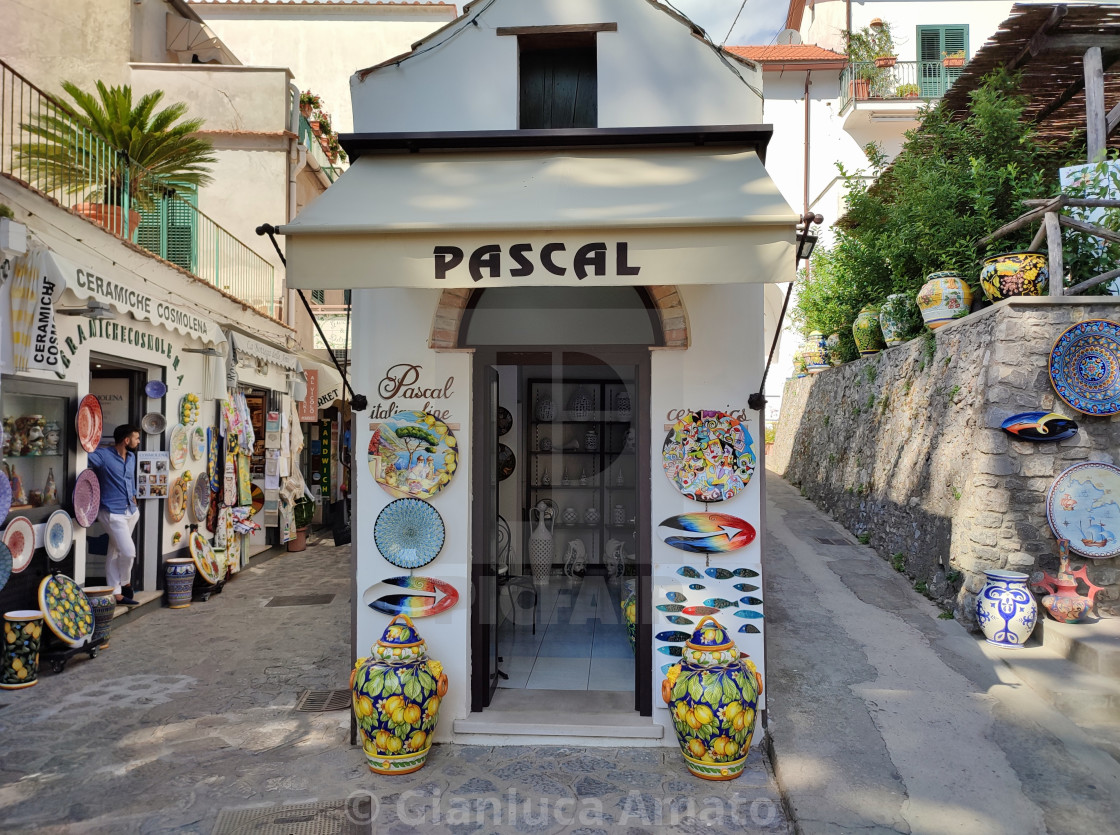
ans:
x=428 y=597
x=1085 y=367
x=708 y=456
x=413 y=454
x=706 y=533
x=1040 y=426
x=409 y=533
x=89 y=422
x=66 y=610
x=1083 y=506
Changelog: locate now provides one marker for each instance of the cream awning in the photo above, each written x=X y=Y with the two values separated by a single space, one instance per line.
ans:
x=576 y=218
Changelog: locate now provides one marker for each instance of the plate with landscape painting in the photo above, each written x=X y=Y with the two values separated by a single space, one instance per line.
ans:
x=1083 y=506
x=709 y=456
x=413 y=454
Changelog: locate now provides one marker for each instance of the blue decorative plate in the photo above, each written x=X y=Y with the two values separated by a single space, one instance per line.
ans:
x=155 y=389
x=409 y=533
x=1085 y=367
x=1083 y=506
x=58 y=535
x=5 y=565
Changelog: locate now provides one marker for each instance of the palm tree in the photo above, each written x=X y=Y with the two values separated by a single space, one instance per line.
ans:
x=111 y=150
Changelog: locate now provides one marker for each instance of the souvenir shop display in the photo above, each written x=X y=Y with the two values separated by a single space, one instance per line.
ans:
x=706 y=533
x=1085 y=367
x=66 y=609
x=413 y=454
x=427 y=596
x=19 y=536
x=409 y=533
x=87 y=498
x=1083 y=506
x=708 y=456
x=89 y=423
x=58 y=535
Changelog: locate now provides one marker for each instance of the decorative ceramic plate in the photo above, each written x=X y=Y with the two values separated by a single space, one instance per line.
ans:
x=5 y=496
x=153 y=423
x=179 y=445
x=189 y=407
x=505 y=421
x=507 y=463
x=19 y=536
x=1083 y=506
x=429 y=597
x=409 y=533
x=708 y=456
x=258 y=499
x=212 y=460
x=89 y=423
x=205 y=560
x=58 y=535
x=413 y=454
x=87 y=498
x=176 y=501
x=155 y=389
x=1085 y=367
x=5 y=565
x=198 y=443
x=66 y=610
x=1040 y=426
x=706 y=533
x=200 y=496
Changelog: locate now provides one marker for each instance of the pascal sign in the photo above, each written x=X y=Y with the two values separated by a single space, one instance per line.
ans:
x=520 y=260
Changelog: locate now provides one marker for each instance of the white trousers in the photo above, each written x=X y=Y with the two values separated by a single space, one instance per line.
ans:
x=122 y=550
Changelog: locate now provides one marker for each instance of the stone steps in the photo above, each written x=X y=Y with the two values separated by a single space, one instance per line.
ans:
x=1095 y=646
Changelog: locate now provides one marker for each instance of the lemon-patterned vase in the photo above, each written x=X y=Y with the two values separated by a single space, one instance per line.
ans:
x=944 y=298
x=712 y=694
x=894 y=318
x=397 y=693
x=630 y=612
x=815 y=352
x=1014 y=274
x=23 y=630
x=867 y=333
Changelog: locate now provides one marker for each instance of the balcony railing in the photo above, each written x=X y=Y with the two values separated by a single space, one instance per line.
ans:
x=903 y=80
x=42 y=144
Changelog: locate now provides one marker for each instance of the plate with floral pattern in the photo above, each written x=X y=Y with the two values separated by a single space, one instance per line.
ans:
x=205 y=560
x=177 y=501
x=1085 y=367
x=709 y=456
x=409 y=533
x=66 y=609
x=89 y=423
x=19 y=536
x=87 y=498
x=58 y=535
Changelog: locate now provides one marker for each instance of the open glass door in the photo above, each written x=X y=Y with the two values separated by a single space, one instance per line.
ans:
x=484 y=566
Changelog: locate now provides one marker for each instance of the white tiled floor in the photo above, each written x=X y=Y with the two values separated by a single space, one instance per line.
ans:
x=580 y=643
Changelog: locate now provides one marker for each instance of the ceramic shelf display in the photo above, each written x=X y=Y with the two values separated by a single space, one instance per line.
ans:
x=397 y=693
x=1014 y=274
x=712 y=693
x=944 y=297
x=867 y=333
x=1005 y=609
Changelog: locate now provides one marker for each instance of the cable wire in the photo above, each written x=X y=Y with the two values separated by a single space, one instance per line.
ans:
x=736 y=20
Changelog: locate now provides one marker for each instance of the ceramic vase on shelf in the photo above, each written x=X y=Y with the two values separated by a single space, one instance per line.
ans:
x=591 y=516
x=581 y=405
x=815 y=352
x=1014 y=274
x=542 y=520
x=894 y=318
x=178 y=581
x=397 y=693
x=712 y=693
x=833 y=345
x=19 y=663
x=867 y=333
x=103 y=602
x=546 y=409
x=944 y=298
x=618 y=515
x=591 y=440
x=622 y=407
x=1005 y=608
x=570 y=516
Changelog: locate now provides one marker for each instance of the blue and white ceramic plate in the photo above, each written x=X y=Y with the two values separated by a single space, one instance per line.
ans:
x=155 y=389
x=409 y=533
x=5 y=565
x=5 y=496
x=1085 y=367
x=58 y=535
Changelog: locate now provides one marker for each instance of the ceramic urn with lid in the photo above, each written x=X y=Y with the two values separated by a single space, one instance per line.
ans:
x=712 y=693
x=397 y=693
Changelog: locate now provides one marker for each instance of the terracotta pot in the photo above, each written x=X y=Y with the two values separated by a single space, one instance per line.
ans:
x=951 y=63
x=860 y=88
x=944 y=297
x=886 y=61
x=300 y=542
x=109 y=217
x=1014 y=274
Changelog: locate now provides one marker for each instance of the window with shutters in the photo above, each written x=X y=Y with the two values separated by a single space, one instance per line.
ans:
x=935 y=42
x=558 y=83
x=318 y=296
x=170 y=229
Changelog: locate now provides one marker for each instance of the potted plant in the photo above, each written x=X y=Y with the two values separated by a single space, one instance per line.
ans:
x=138 y=152
x=334 y=149
x=302 y=511
x=953 y=59
x=908 y=91
x=324 y=120
x=870 y=52
x=308 y=103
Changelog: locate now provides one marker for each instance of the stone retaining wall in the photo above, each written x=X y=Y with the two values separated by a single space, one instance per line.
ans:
x=905 y=448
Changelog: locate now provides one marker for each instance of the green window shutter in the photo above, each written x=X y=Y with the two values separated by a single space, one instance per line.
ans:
x=318 y=296
x=170 y=228
x=558 y=85
x=933 y=41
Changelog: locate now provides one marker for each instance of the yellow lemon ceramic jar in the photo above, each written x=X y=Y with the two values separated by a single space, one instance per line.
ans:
x=712 y=695
x=944 y=298
x=397 y=693
x=1014 y=274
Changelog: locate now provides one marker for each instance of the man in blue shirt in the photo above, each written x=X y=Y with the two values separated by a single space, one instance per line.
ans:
x=116 y=473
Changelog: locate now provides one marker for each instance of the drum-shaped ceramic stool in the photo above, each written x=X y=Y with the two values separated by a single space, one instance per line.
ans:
x=103 y=602
x=23 y=629
x=178 y=580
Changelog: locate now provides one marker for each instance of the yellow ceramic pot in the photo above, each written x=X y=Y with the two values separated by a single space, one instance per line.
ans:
x=1014 y=274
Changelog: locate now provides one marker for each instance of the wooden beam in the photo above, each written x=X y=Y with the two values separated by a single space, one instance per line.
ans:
x=1038 y=40
x=566 y=29
x=1054 y=247
x=1038 y=238
x=1096 y=133
x=1081 y=40
x=1021 y=221
x=1093 y=282
x=1112 y=120
x=1085 y=202
x=1063 y=99
x=1090 y=229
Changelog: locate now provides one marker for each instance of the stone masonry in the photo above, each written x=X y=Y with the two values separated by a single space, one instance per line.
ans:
x=905 y=448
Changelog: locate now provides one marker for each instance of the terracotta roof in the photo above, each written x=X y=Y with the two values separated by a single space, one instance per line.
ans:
x=786 y=53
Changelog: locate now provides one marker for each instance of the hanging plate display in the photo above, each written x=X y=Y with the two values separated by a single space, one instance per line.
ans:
x=5 y=495
x=205 y=560
x=189 y=408
x=200 y=494
x=153 y=423
x=58 y=535
x=5 y=565
x=155 y=389
x=89 y=423
x=429 y=597
x=706 y=533
x=257 y=502
x=413 y=454
x=87 y=498
x=66 y=609
x=179 y=444
x=1040 y=426
x=507 y=463
x=505 y=421
x=19 y=536
x=1083 y=506
x=198 y=443
x=409 y=533
x=1085 y=367
x=176 y=501
x=708 y=456
x=212 y=460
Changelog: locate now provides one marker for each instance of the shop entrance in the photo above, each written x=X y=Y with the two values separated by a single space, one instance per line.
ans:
x=558 y=545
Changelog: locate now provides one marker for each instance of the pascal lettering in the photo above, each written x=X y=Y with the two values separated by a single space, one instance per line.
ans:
x=491 y=261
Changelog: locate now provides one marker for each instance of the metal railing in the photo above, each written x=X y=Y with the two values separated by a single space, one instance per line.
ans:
x=308 y=139
x=43 y=144
x=902 y=80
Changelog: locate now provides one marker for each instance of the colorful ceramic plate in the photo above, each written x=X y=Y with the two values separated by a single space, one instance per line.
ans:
x=429 y=597
x=505 y=421
x=413 y=454
x=507 y=463
x=179 y=444
x=5 y=565
x=176 y=501
x=212 y=460
x=198 y=443
x=155 y=389
x=89 y=423
x=58 y=535
x=1085 y=367
x=87 y=498
x=257 y=501
x=409 y=533
x=19 y=536
x=708 y=456
x=153 y=423
x=205 y=560
x=706 y=533
x=66 y=610
x=5 y=496
x=1040 y=426
x=200 y=495
x=1083 y=506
